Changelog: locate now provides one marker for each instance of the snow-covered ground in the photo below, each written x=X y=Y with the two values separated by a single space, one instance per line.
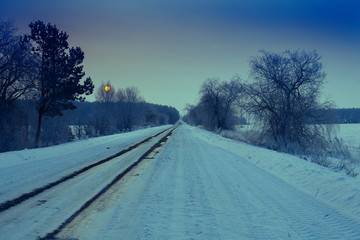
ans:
x=203 y=186
x=43 y=213
x=23 y=171
x=328 y=185
x=350 y=133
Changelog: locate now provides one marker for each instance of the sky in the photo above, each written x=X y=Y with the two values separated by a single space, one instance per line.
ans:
x=168 y=48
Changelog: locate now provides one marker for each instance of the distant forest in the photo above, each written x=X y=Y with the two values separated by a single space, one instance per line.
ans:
x=344 y=115
x=89 y=119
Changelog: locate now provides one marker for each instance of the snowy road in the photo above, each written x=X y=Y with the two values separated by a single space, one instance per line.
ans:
x=195 y=190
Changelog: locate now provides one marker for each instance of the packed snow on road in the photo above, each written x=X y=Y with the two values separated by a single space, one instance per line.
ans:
x=203 y=186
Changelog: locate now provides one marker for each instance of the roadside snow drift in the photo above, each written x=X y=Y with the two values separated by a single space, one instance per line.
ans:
x=23 y=171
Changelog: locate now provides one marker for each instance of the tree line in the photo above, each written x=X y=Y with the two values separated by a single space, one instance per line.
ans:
x=119 y=111
x=42 y=80
x=344 y=115
x=281 y=98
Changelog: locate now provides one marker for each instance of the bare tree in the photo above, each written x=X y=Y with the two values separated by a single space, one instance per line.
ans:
x=17 y=72
x=193 y=114
x=103 y=120
x=128 y=102
x=232 y=95
x=106 y=96
x=218 y=103
x=129 y=94
x=284 y=98
x=210 y=103
x=17 y=66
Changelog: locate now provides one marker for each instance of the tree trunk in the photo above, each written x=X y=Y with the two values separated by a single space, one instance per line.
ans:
x=37 y=138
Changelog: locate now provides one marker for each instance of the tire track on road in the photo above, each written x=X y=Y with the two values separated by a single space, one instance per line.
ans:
x=52 y=235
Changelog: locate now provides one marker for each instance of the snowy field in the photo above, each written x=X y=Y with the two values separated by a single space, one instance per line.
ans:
x=350 y=133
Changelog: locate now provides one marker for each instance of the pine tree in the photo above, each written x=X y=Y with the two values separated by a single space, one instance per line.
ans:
x=60 y=72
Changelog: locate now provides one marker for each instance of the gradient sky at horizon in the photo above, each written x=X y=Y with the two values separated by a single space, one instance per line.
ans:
x=167 y=48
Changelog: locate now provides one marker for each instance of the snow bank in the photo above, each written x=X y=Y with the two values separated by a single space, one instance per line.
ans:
x=25 y=170
x=337 y=189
